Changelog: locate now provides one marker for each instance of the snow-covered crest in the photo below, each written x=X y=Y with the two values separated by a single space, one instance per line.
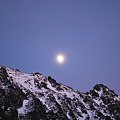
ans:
x=46 y=99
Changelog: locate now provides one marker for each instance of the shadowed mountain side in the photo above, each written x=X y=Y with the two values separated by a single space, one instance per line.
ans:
x=36 y=97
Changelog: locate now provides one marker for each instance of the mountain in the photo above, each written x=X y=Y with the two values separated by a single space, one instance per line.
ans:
x=36 y=97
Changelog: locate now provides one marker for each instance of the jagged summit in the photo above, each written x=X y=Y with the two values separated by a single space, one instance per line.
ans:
x=37 y=97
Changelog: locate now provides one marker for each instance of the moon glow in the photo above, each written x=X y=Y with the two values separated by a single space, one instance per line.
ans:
x=60 y=58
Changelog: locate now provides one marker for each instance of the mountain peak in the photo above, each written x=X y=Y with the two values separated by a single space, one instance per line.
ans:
x=103 y=90
x=37 y=97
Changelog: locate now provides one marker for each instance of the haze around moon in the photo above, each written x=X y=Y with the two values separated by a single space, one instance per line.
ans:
x=60 y=58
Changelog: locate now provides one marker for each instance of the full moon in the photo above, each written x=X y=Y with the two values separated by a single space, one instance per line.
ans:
x=60 y=58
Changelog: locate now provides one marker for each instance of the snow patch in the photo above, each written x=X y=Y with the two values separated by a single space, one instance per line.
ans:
x=68 y=115
x=25 y=107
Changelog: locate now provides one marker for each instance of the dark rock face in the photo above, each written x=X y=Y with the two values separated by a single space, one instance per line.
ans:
x=36 y=97
x=11 y=97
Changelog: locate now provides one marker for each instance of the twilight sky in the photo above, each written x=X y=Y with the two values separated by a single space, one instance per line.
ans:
x=87 y=32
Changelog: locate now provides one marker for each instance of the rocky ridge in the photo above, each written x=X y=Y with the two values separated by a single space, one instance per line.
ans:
x=36 y=97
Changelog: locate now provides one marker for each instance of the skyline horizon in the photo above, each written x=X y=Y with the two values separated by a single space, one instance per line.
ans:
x=32 y=33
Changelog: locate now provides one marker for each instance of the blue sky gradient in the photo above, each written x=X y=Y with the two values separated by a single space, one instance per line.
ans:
x=87 y=32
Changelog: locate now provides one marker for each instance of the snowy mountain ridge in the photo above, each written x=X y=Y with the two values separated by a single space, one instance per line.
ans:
x=37 y=97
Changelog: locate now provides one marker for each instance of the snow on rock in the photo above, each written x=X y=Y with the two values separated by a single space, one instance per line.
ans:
x=68 y=115
x=25 y=108
x=59 y=100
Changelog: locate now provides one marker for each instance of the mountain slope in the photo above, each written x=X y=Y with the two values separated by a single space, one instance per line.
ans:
x=36 y=97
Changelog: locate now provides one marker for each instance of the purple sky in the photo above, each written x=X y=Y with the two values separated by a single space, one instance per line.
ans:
x=32 y=32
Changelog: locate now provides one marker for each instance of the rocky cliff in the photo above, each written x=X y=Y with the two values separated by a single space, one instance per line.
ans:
x=36 y=97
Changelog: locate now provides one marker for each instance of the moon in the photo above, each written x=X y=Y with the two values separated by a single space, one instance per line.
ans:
x=60 y=58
